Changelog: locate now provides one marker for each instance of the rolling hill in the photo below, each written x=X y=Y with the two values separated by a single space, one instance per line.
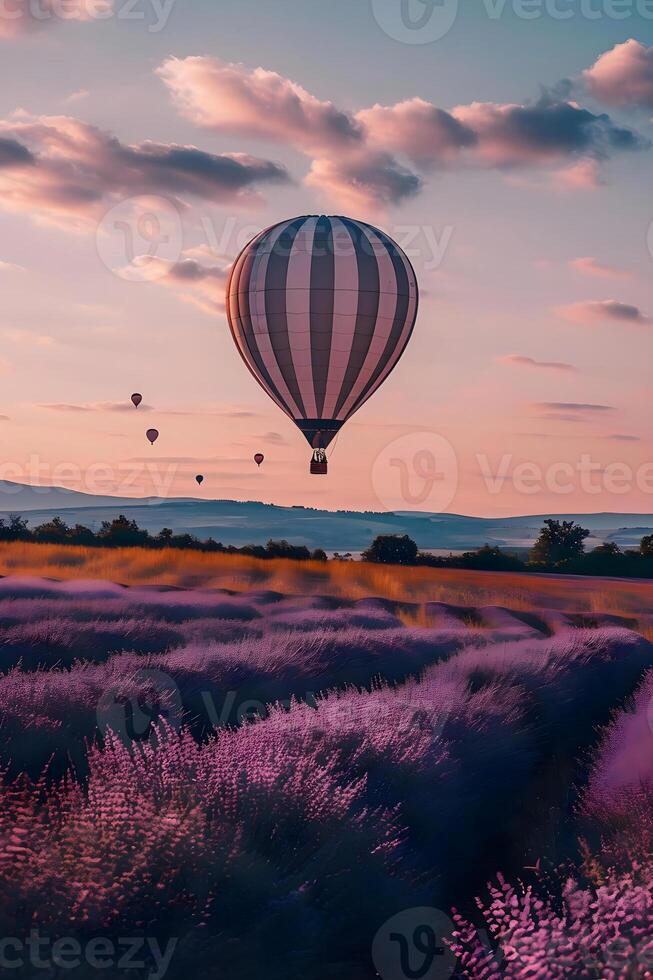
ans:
x=252 y=522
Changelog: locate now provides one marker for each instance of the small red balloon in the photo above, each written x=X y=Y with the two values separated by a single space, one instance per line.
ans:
x=152 y=435
x=258 y=459
x=137 y=398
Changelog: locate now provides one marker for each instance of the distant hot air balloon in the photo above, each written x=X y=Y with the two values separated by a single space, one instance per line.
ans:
x=200 y=479
x=152 y=435
x=321 y=309
x=258 y=458
x=137 y=398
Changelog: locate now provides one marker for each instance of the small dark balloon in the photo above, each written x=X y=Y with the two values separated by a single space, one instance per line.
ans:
x=137 y=398
x=152 y=435
x=258 y=459
x=200 y=479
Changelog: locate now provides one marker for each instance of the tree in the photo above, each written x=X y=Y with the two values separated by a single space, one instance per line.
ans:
x=81 y=535
x=319 y=554
x=283 y=549
x=646 y=546
x=392 y=549
x=16 y=530
x=489 y=558
x=55 y=531
x=559 y=543
x=123 y=533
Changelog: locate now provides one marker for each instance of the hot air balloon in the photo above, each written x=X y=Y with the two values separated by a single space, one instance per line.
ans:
x=258 y=458
x=321 y=309
x=152 y=435
x=200 y=479
x=137 y=398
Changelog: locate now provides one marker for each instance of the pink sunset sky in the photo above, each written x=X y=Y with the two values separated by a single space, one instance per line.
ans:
x=511 y=158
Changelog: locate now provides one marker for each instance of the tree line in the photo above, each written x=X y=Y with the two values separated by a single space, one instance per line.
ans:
x=560 y=547
x=124 y=533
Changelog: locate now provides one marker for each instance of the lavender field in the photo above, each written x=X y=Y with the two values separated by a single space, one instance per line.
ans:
x=236 y=779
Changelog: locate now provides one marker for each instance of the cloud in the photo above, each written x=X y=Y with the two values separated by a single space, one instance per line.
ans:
x=231 y=98
x=623 y=76
x=622 y=437
x=572 y=407
x=96 y=407
x=364 y=180
x=81 y=93
x=519 y=360
x=273 y=439
x=546 y=132
x=582 y=176
x=427 y=135
x=25 y=16
x=362 y=158
x=590 y=266
x=68 y=170
x=202 y=285
x=11 y=267
x=601 y=310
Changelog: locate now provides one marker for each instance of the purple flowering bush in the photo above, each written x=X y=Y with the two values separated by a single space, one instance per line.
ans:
x=270 y=779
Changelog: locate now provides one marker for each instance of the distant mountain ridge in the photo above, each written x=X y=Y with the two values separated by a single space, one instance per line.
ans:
x=253 y=522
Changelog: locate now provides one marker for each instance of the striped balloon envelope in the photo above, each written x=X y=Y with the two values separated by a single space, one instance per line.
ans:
x=321 y=309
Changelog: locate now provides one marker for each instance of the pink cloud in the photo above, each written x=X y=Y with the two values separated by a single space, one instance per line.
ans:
x=589 y=266
x=429 y=136
x=232 y=98
x=362 y=159
x=62 y=169
x=582 y=176
x=519 y=360
x=623 y=76
x=601 y=310
x=363 y=181
x=202 y=285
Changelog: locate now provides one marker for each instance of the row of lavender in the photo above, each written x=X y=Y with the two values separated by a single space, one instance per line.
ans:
x=292 y=839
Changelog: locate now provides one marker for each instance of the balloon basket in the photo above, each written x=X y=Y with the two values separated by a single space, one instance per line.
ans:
x=319 y=464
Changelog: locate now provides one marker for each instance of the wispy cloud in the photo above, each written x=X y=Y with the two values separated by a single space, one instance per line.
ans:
x=96 y=407
x=597 y=311
x=572 y=407
x=61 y=168
x=589 y=266
x=519 y=360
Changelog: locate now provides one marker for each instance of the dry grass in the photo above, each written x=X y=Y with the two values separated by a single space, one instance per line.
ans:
x=351 y=580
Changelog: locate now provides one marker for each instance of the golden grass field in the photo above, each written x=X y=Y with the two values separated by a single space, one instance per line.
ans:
x=350 y=580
